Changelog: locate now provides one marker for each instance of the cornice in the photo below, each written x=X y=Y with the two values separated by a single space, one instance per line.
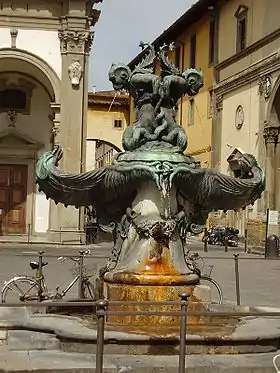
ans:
x=199 y=151
x=251 y=73
x=249 y=50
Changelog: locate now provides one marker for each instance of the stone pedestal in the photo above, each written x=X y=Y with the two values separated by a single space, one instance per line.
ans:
x=156 y=293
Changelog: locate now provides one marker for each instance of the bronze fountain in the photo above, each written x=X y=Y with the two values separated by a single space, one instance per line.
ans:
x=152 y=194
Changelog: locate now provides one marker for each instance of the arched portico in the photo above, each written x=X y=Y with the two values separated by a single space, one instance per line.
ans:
x=29 y=109
x=34 y=66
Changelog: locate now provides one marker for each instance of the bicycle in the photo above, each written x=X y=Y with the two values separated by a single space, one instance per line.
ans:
x=37 y=289
x=196 y=264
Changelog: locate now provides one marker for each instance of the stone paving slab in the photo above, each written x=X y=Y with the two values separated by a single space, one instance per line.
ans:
x=11 y=317
x=17 y=339
x=59 y=362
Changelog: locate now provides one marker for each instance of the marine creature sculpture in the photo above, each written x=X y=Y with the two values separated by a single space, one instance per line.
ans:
x=152 y=194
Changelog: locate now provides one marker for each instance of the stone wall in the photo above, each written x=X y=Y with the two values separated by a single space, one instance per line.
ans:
x=256 y=232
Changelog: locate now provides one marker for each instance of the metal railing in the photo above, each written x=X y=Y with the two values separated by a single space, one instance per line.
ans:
x=239 y=285
x=82 y=257
x=102 y=307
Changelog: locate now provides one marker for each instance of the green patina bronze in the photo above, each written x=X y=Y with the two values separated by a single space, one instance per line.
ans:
x=154 y=153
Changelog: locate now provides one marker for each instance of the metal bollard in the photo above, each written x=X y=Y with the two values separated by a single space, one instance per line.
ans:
x=237 y=284
x=246 y=240
x=205 y=240
x=101 y=306
x=40 y=275
x=182 y=353
x=81 y=267
x=226 y=243
x=272 y=246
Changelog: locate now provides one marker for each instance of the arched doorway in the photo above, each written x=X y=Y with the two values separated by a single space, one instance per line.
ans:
x=28 y=88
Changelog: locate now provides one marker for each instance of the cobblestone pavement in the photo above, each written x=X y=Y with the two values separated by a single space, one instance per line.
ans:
x=259 y=277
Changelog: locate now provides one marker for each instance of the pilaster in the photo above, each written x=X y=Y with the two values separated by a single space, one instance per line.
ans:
x=217 y=131
x=75 y=41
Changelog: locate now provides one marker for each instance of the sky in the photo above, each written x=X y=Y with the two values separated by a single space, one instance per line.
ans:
x=121 y=26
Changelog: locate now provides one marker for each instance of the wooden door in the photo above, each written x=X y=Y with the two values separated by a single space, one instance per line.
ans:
x=13 y=192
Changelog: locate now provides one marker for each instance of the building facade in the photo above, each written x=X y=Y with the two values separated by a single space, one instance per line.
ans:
x=194 y=35
x=247 y=92
x=108 y=117
x=44 y=53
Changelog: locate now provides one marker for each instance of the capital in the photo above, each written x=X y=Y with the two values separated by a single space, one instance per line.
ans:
x=76 y=42
x=219 y=102
x=271 y=133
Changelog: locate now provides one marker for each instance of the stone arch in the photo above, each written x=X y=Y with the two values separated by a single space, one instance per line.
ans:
x=96 y=154
x=105 y=142
x=270 y=113
x=37 y=68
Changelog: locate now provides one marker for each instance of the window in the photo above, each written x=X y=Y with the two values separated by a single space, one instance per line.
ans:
x=177 y=57
x=191 y=112
x=241 y=33
x=192 y=51
x=118 y=123
x=210 y=104
x=13 y=99
x=212 y=42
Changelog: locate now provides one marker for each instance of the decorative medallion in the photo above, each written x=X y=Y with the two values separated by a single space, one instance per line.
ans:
x=75 y=73
x=239 y=117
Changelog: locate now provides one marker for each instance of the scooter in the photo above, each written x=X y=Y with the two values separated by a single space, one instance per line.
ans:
x=217 y=235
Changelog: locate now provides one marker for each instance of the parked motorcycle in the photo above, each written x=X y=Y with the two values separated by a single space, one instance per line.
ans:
x=217 y=236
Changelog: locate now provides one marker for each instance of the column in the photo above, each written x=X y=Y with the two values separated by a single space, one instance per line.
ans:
x=55 y=134
x=54 y=216
x=277 y=173
x=270 y=135
x=261 y=203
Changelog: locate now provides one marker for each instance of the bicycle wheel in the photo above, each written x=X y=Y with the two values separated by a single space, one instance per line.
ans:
x=216 y=291
x=89 y=291
x=22 y=289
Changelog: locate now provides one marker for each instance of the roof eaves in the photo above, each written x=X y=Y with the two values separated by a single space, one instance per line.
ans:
x=195 y=12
